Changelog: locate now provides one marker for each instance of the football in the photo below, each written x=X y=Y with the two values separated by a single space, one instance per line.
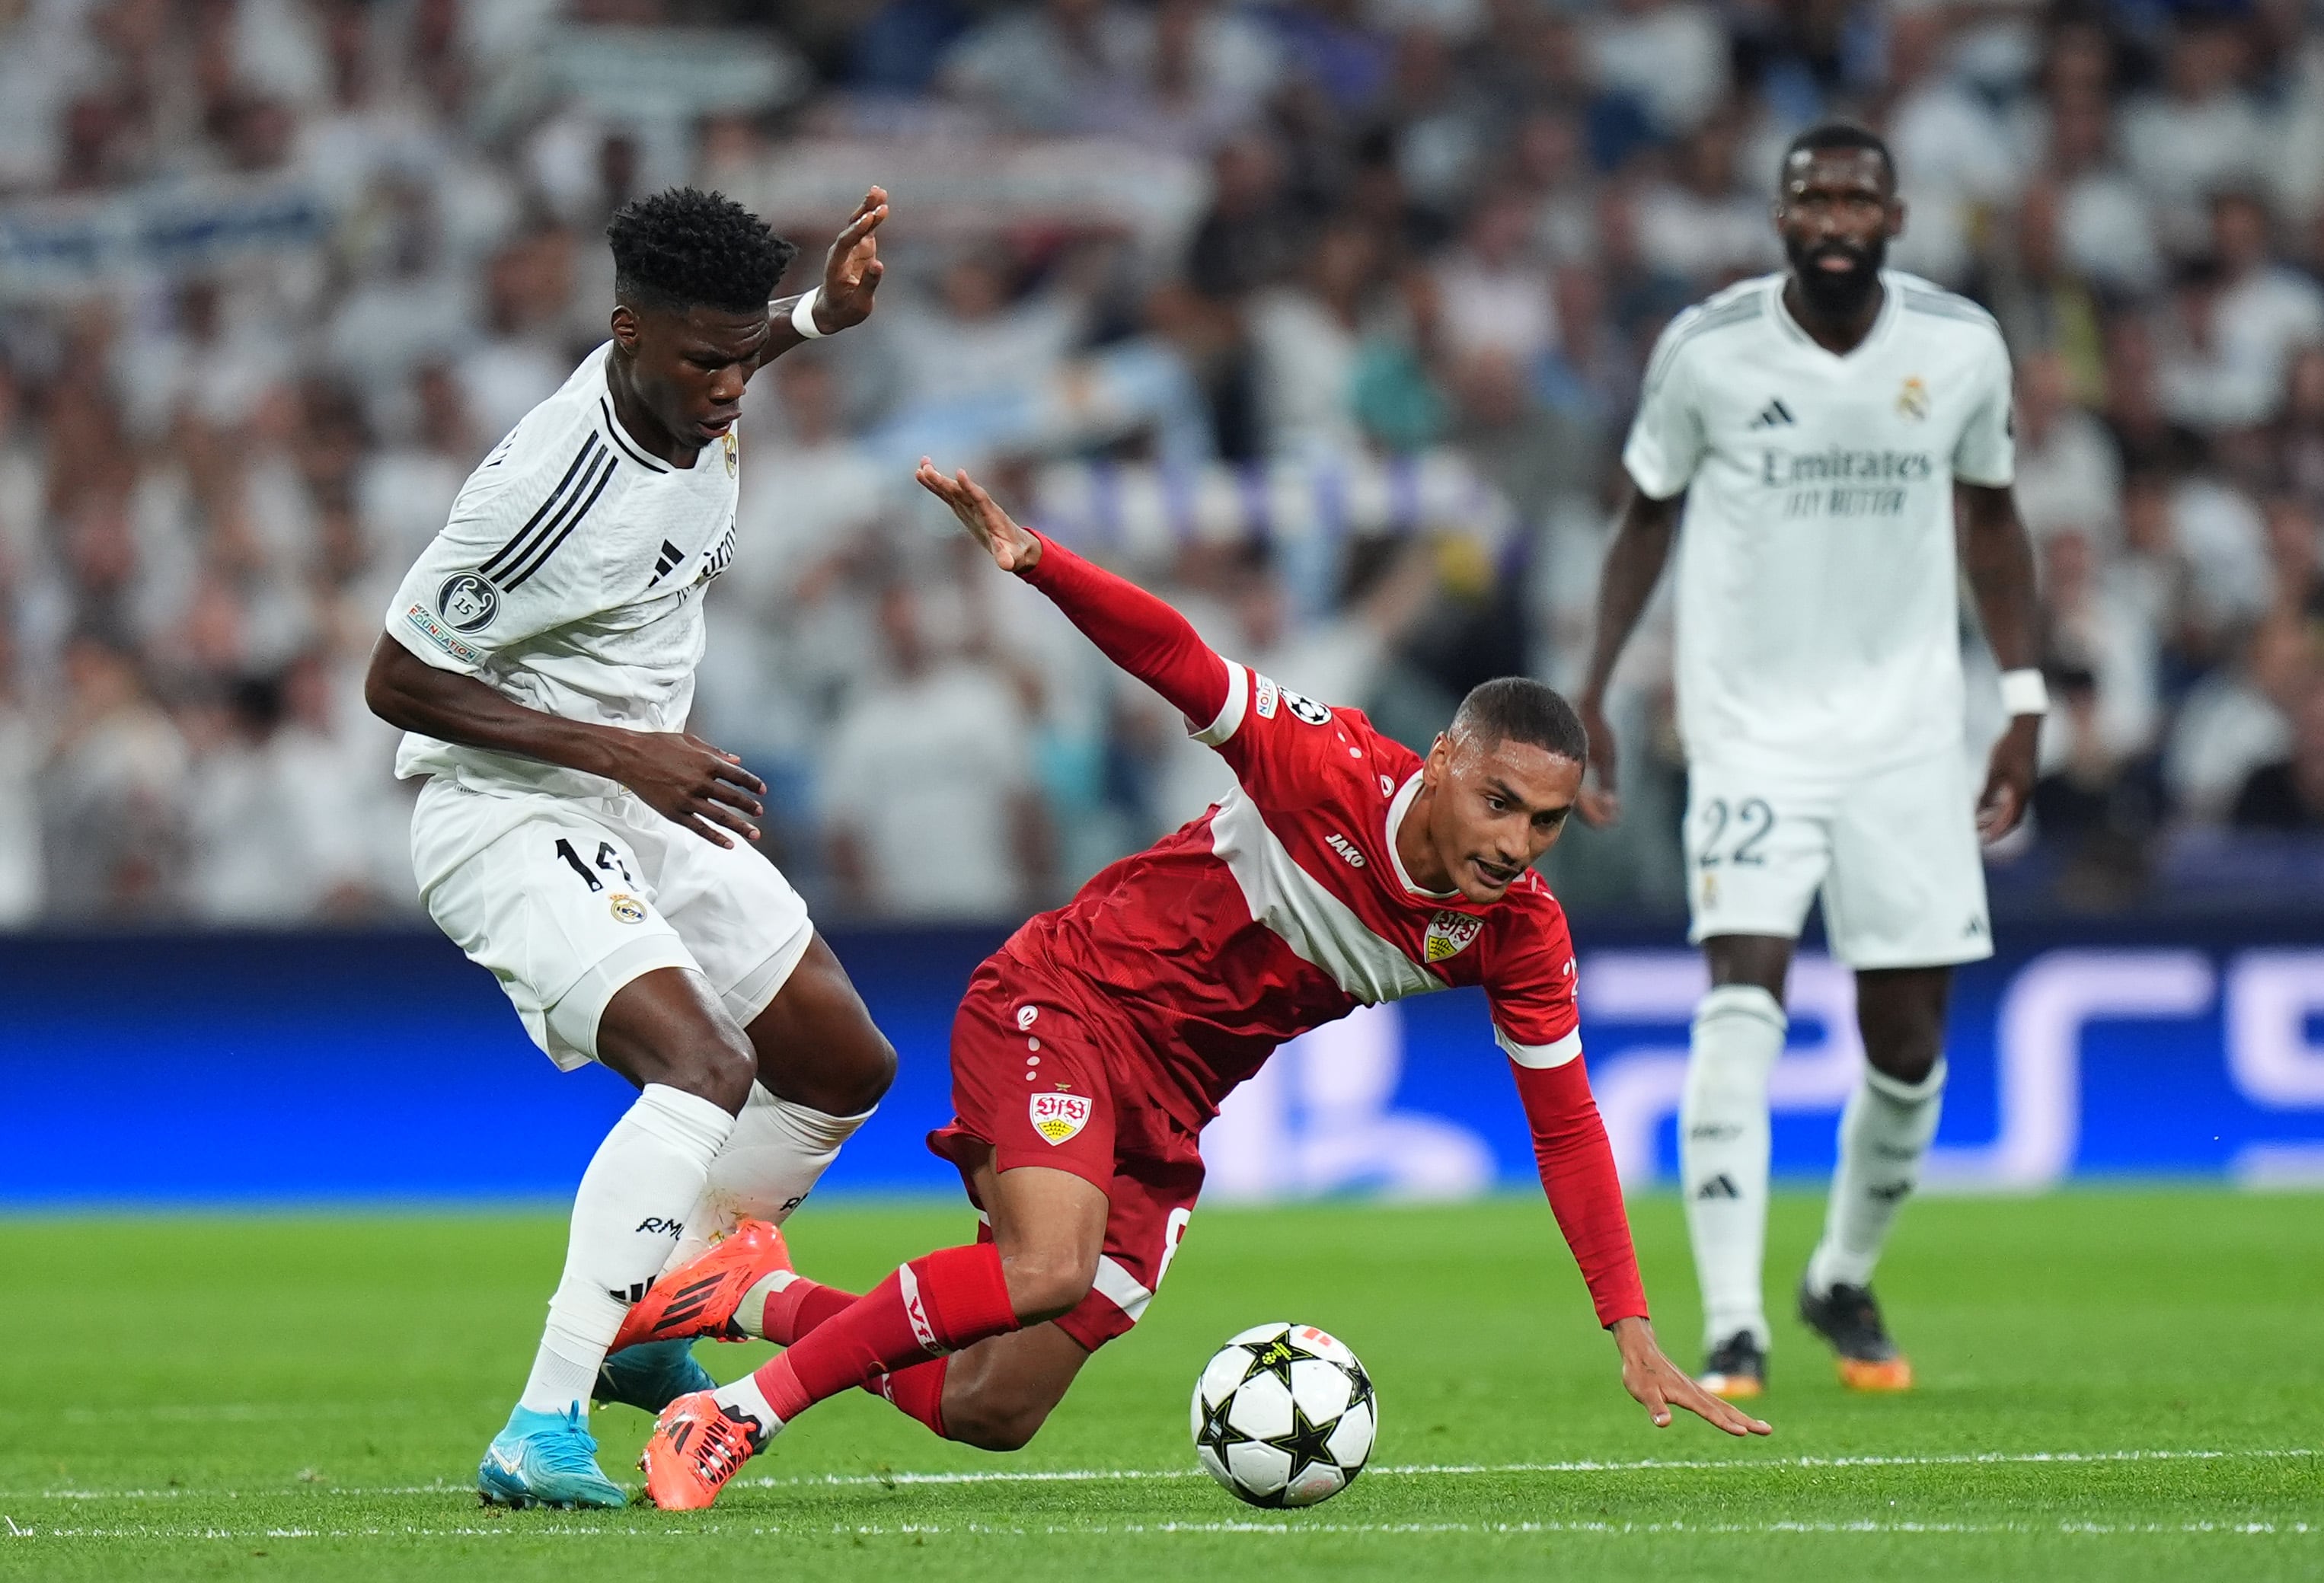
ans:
x=1284 y=1415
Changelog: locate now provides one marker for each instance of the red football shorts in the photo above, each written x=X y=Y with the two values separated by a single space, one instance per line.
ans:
x=1031 y=1077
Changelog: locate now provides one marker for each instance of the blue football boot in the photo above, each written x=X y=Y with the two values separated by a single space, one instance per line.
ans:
x=546 y=1460
x=651 y=1374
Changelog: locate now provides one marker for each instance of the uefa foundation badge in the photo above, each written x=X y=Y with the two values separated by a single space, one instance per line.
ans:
x=1058 y=1117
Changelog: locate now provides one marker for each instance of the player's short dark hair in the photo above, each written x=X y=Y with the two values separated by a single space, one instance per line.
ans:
x=686 y=248
x=1521 y=709
x=1837 y=135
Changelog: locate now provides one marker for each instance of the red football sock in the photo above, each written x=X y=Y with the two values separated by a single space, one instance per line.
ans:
x=950 y=1299
x=790 y=1313
x=917 y=1392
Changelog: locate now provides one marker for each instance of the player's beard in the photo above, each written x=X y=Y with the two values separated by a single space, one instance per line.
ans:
x=1841 y=294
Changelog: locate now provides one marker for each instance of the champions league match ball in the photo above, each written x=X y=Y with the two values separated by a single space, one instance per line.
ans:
x=1283 y=1416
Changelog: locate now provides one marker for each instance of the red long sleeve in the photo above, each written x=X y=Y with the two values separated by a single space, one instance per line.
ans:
x=1577 y=1171
x=1139 y=632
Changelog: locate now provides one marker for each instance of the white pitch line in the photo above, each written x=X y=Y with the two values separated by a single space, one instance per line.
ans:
x=1289 y=1529
x=1474 y=1470
x=1408 y=1470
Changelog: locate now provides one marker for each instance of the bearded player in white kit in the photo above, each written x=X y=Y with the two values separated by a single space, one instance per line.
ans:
x=574 y=840
x=1821 y=428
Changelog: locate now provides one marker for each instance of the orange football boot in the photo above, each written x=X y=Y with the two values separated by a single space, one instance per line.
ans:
x=1876 y=1375
x=699 y=1298
x=1737 y=1369
x=1848 y=1317
x=695 y=1449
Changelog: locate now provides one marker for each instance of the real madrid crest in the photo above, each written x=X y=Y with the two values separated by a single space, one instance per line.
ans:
x=1912 y=400
x=1449 y=934
x=733 y=449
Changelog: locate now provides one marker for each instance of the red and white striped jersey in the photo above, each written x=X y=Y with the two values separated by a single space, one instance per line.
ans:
x=1285 y=906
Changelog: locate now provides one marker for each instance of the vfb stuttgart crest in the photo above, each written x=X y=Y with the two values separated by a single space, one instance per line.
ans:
x=1058 y=1117
x=1450 y=935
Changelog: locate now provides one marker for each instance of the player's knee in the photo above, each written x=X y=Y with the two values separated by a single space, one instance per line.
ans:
x=1047 y=1282
x=1902 y=1038
x=1910 y=1064
x=859 y=1075
x=719 y=1068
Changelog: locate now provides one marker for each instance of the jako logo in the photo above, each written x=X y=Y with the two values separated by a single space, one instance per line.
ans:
x=661 y=1226
x=1346 y=848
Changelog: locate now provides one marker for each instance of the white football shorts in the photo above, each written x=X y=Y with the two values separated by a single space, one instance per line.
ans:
x=1895 y=851
x=566 y=899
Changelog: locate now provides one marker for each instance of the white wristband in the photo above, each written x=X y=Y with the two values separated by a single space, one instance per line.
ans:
x=803 y=316
x=2024 y=692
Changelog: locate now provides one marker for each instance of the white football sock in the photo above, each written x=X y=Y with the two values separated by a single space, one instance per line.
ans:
x=1722 y=1150
x=772 y=1159
x=633 y=1198
x=744 y=1399
x=1884 y=1136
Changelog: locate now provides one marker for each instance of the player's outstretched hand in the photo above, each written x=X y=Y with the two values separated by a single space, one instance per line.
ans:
x=2009 y=778
x=851 y=269
x=1660 y=1384
x=1600 y=804
x=1011 y=548
x=685 y=780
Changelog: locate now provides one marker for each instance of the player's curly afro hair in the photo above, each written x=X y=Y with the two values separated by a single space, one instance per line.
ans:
x=1520 y=709
x=685 y=248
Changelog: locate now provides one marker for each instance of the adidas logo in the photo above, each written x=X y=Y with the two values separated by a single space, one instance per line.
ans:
x=1774 y=415
x=670 y=555
x=1719 y=1186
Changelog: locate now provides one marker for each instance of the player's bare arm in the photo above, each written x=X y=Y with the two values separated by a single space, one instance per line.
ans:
x=851 y=277
x=1998 y=559
x=1659 y=1385
x=1634 y=564
x=677 y=774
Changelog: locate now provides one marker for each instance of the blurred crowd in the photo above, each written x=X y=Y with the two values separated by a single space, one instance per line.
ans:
x=1324 y=317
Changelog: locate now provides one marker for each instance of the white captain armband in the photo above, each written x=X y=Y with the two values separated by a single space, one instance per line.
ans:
x=2024 y=692
x=803 y=315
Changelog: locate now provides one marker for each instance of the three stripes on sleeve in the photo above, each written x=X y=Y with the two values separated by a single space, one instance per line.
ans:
x=529 y=549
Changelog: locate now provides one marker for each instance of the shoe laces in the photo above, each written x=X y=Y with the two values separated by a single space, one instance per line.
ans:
x=722 y=1445
x=572 y=1448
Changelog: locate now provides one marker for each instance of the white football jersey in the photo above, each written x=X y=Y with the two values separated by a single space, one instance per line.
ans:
x=1817 y=622
x=570 y=579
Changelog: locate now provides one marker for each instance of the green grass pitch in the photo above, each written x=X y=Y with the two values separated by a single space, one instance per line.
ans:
x=2116 y=1385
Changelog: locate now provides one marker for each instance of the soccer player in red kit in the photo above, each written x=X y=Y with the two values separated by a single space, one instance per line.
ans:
x=1345 y=870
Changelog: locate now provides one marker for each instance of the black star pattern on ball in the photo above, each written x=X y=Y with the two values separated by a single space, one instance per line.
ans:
x=1277 y=1357
x=1306 y=1442
x=1216 y=1432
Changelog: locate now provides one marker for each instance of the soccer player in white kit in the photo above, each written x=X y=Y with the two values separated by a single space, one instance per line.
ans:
x=1821 y=428
x=574 y=840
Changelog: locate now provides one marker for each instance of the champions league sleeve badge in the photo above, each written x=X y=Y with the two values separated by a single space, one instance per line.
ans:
x=469 y=601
